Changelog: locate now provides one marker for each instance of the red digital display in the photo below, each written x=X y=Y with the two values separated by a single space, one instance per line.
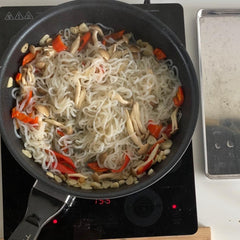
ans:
x=102 y=201
x=55 y=221
x=174 y=206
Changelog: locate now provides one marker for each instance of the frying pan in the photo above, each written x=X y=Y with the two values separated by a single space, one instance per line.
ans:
x=48 y=197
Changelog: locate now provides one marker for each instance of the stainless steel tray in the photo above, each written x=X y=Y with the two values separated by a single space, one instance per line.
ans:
x=219 y=65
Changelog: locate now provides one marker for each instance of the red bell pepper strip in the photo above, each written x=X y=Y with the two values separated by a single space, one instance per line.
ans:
x=23 y=117
x=65 y=164
x=84 y=40
x=179 y=98
x=126 y=161
x=144 y=168
x=58 y=44
x=168 y=130
x=28 y=98
x=94 y=166
x=146 y=165
x=154 y=129
x=64 y=169
x=64 y=159
x=28 y=58
x=114 y=36
x=161 y=140
x=60 y=133
x=159 y=54
x=18 y=78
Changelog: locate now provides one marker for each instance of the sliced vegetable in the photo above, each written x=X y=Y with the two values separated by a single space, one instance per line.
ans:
x=94 y=166
x=144 y=168
x=60 y=133
x=58 y=44
x=148 y=163
x=18 y=78
x=168 y=130
x=64 y=169
x=28 y=58
x=114 y=36
x=154 y=129
x=159 y=54
x=161 y=140
x=64 y=159
x=28 y=99
x=65 y=164
x=23 y=117
x=126 y=161
x=84 y=40
x=179 y=98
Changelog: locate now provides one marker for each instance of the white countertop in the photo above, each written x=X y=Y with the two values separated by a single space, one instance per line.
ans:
x=218 y=201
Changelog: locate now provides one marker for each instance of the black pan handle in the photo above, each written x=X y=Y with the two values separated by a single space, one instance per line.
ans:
x=43 y=205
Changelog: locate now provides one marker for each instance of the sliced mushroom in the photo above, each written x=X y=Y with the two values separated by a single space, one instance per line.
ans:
x=135 y=126
x=118 y=97
x=49 y=51
x=81 y=98
x=104 y=54
x=28 y=77
x=55 y=123
x=43 y=110
x=75 y=45
x=112 y=176
x=78 y=175
x=77 y=92
x=143 y=147
x=134 y=49
x=141 y=168
x=83 y=28
x=174 y=121
x=119 y=53
x=68 y=129
x=112 y=49
x=146 y=48
x=136 y=115
x=40 y=65
x=96 y=30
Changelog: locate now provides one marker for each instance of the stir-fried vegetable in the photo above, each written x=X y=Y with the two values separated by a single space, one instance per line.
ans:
x=94 y=166
x=84 y=40
x=126 y=161
x=23 y=117
x=114 y=36
x=179 y=98
x=18 y=78
x=28 y=58
x=154 y=129
x=58 y=44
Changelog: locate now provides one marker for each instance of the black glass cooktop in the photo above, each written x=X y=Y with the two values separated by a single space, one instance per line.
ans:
x=166 y=208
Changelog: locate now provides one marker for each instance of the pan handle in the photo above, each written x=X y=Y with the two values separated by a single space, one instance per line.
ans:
x=42 y=207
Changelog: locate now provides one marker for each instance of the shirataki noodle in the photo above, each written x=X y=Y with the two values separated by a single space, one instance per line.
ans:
x=95 y=114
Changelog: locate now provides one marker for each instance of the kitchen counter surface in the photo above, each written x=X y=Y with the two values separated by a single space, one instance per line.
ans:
x=218 y=201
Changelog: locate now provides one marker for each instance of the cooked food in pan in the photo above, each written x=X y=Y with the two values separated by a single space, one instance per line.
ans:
x=96 y=108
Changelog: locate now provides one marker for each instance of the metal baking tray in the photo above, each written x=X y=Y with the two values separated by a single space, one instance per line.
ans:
x=219 y=66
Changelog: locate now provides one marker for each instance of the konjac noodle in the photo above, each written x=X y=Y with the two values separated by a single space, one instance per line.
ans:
x=95 y=107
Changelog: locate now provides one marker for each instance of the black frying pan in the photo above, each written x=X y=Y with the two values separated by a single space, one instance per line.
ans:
x=48 y=197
